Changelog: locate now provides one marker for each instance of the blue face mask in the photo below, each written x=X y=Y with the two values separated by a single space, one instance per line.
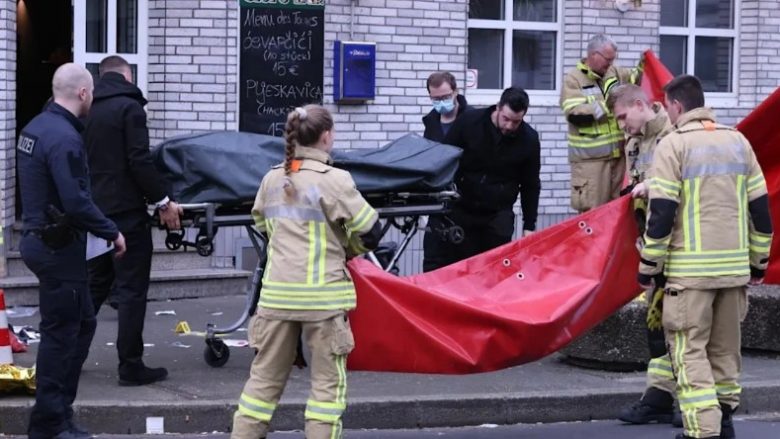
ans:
x=444 y=106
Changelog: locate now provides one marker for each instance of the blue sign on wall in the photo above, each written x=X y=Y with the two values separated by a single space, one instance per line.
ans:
x=354 y=75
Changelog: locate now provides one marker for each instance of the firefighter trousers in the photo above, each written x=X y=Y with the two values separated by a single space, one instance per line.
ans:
x=276 y=341
x=596 y=182
x=703 y=333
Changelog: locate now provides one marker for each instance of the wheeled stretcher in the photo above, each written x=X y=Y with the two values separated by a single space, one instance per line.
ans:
x=402 y=211
x=215 y=176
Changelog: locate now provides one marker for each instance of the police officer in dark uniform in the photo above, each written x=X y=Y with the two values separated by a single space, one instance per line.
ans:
x=57 y=211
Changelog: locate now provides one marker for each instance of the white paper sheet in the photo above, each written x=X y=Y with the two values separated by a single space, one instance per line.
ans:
x=97 y=246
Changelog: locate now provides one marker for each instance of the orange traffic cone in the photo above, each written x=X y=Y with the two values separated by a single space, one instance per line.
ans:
x=6 y=357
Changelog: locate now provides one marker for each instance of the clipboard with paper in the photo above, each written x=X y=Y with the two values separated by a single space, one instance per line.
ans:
x=97 y=246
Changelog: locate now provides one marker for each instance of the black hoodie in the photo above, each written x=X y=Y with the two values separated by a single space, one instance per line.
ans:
x=121 y=169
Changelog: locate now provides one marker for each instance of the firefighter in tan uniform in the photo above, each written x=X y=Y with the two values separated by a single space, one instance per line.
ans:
x=595 y=140
x=315 y=219
x=709 y=233
x=645 y=124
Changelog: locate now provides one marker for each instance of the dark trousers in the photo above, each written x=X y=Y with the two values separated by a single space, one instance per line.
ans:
x=67 y=327
x=127 y=280
x=482 y=232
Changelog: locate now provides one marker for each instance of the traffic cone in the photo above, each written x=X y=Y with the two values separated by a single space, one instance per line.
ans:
x=6 y=357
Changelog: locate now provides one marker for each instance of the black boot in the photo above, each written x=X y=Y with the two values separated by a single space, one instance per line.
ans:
x=655 y=406
x=139 y=376
x=727 y=422
x=677 y=421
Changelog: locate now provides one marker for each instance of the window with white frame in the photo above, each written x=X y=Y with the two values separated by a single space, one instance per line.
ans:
x=514 y=42
x=111 y=27
x=699 y=37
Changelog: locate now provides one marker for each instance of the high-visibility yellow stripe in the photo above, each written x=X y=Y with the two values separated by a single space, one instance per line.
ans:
x=755 y=182
x=741 y=211
x=668 y=184
x=323 y=246
x=274 y=295
x=697 y=212
x=255 y=408
x=312 y=253
x=301 y=286
x=660 y=367
x=570 y=103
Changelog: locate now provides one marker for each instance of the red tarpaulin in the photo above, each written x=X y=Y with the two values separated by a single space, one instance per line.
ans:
x=655 y=77
x=762 y=128
x=512 y=305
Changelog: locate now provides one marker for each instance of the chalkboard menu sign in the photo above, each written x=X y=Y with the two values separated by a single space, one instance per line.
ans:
x=281 y=61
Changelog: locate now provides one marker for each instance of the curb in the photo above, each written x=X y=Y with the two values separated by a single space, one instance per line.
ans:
x=122 y=417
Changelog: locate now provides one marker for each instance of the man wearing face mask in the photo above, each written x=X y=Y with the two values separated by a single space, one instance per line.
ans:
x=595 y=140
x=447 y=104
x=501 y=159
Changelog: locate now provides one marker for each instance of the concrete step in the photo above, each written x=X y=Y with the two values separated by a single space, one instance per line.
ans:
x=162 y=260
x=166 y=284
x=620 y=342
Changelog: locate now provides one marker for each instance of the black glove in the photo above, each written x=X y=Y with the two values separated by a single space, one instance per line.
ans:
x=659 y=279
x=757 y=273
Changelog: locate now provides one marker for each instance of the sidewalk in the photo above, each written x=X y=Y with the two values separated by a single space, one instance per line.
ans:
x=198 y=398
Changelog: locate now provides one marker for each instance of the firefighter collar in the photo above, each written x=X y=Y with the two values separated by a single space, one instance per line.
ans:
x=305 y=152
x=656 y=124
x=587 y=71
x=700 y=114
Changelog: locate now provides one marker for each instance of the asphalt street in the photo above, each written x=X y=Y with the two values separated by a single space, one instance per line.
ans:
x=755 y=428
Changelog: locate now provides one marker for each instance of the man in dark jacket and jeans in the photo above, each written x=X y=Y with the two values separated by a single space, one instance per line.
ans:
x=501 y=159
x=124 y=181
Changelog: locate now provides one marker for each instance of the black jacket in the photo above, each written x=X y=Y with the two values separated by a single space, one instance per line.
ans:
x=432 y=121
x=495 y=168
x=117 y=140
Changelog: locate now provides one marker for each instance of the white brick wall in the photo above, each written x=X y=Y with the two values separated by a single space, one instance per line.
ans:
x=193 y=63
x=7 y=119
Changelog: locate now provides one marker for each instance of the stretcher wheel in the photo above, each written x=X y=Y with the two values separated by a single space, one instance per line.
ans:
x=204 y=246
x=216 y=353
x=173 y=240
x=456 y=234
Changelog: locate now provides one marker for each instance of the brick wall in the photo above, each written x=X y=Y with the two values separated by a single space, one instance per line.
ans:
x=7 y=118
x=192 y=66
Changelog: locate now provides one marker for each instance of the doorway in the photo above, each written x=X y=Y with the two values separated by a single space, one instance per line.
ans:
x=44 y=41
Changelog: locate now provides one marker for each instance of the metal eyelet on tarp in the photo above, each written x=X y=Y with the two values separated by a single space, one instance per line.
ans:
x=520 y=275
x=582 y=224
x=589 y=230
x=507 y=262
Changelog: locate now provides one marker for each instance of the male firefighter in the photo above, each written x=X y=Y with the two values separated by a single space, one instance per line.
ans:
x=645 y=123
x=595 y=141
x=709 y=233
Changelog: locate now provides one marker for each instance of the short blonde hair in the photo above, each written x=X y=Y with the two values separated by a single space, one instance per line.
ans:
x=626 y=94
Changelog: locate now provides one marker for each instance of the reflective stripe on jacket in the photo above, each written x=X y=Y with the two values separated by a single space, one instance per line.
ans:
x=310 y=234
x=593 y=132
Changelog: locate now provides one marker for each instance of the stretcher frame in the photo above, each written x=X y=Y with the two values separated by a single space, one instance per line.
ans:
x=400 y=210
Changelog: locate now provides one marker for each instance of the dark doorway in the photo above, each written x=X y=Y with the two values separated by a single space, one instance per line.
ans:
x=44 y=41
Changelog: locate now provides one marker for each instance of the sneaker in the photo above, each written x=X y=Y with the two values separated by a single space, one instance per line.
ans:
x=78 y=430
x=144 y=375
x=643 y=413
x=68 y=434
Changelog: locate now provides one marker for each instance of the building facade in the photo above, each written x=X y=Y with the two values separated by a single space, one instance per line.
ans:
x=186 y=57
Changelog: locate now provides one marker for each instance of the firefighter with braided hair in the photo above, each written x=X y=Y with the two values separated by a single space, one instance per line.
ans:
x=315 y=220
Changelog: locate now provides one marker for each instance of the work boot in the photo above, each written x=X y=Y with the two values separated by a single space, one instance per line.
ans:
x=677 y=418
x=143 y=375
x=727 y=422
x=655 y=406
